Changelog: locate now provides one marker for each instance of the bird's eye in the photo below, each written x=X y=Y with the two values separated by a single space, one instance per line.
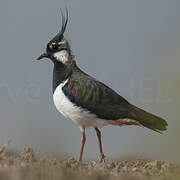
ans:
x=53 y=46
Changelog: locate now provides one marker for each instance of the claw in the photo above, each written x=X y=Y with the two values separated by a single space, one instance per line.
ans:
x=102 y=160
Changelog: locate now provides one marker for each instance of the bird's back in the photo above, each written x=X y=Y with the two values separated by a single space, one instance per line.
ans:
x=97 y=98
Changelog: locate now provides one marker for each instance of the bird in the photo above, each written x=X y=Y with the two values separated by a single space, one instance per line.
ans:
x=86 y=101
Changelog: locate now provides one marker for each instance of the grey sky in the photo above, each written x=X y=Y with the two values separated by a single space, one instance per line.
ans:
x=131 y=45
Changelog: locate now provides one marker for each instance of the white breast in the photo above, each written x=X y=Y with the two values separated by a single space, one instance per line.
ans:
x=81 y=117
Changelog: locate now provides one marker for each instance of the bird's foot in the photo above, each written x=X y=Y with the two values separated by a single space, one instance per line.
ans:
x=80 y=160
x=102 y=158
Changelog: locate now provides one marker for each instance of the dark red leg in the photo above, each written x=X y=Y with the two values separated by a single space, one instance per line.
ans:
x=83 y=140
x=98 y=132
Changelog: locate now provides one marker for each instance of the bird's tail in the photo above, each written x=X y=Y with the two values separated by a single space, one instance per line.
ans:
x=148 y=120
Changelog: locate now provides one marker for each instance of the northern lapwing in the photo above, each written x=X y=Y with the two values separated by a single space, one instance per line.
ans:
x=87 y=101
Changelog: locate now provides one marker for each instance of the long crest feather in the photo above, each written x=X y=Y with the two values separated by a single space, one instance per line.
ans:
x=64 y=22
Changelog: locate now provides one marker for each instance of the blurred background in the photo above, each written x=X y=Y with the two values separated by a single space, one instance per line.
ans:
x=131 y=45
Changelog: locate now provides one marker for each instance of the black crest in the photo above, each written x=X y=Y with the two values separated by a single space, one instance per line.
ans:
x=64 y=20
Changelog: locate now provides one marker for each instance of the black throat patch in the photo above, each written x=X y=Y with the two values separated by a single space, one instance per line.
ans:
x=60 y=74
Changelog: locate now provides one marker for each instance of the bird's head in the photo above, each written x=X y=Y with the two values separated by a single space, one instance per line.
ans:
x=58 y=49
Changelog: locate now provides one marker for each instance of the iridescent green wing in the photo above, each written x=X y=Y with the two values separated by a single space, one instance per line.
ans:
x=92 y=95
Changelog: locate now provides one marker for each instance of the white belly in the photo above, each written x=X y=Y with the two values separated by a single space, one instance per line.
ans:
x=82 y=118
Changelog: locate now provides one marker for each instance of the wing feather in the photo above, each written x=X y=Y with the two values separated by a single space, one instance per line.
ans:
x=94 y=96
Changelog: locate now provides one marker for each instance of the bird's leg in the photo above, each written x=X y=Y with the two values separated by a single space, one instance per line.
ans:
x=83 y=140
x=98 y=132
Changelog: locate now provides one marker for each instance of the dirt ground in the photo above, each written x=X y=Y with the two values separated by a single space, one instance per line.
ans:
x=25 y=166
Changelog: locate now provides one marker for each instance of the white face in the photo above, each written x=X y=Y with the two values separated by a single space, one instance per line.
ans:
x=61 y=56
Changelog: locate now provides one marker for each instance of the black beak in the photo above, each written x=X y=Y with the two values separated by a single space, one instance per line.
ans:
x=44 y=55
